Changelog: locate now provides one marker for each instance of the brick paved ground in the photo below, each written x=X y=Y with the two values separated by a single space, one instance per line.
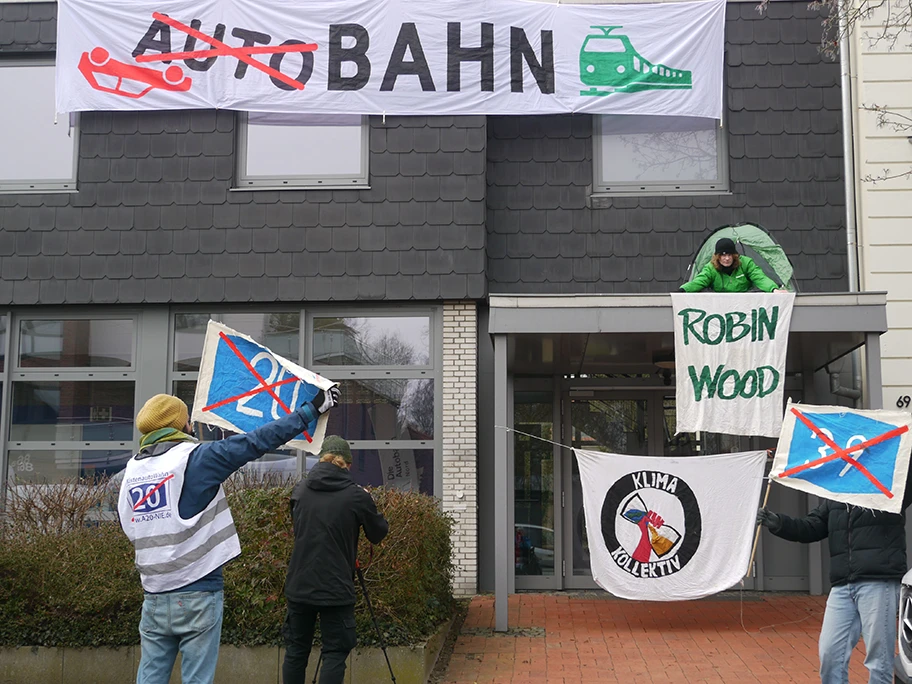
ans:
x=576 y=637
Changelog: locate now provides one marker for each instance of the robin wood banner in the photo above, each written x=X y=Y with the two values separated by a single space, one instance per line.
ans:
x=730 y=352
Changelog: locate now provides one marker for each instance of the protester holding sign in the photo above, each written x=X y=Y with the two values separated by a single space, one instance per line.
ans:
x=729 y=271
x=173 y=508
x=867 y=562
x=328 y=510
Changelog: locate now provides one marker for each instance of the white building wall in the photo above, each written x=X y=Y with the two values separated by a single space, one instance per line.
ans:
x=883 y=76
x=460 y=454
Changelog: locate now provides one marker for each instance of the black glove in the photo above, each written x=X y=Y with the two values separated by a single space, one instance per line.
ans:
x=325 y=400
x=768 y=519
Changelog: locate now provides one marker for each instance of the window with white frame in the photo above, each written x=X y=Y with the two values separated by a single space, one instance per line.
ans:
x=302 y=151
x=659 y=155
x=39 y=149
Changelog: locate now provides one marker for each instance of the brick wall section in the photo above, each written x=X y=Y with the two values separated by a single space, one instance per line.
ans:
x=460 y=456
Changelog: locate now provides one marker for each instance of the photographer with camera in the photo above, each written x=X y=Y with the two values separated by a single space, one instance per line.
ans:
x=328 y=511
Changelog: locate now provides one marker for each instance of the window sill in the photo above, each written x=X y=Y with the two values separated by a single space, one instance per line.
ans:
x=299 y=188
x=602 y=200
x=38 y=191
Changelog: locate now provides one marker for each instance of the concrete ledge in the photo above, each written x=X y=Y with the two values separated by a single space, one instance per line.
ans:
x=237 y=665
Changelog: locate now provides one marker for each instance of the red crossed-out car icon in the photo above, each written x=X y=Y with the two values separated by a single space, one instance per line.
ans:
x=129 y=80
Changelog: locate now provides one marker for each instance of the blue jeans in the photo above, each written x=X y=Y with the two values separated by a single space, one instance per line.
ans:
x=868 y=609
x=185 y=621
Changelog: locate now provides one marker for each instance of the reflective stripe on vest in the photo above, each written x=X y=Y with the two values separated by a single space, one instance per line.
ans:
x=172 y=552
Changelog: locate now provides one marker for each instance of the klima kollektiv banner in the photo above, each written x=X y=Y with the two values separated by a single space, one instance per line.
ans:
x=730 y=352
x=243 y=385
x=401 y=57
x=857 y=457
x=669 y=529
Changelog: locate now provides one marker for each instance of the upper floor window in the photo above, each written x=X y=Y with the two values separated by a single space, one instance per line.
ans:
x=659 y=155
x=302 y=151
x=39 y=154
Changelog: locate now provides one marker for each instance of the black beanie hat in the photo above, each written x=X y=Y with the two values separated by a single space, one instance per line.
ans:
x=726 y=245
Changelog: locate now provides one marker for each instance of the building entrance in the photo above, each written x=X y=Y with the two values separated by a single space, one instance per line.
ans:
x=550 y=538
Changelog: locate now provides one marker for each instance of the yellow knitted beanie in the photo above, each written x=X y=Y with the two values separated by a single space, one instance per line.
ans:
x=162 y=411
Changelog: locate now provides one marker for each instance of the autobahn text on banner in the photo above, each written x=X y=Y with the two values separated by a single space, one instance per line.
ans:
x=857 y=457
x=730 y=352
x=669 y=529
x=243 y=385
x=392 y=57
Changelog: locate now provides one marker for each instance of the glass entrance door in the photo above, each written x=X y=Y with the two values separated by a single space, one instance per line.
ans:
x=609 y=422
x=535 y=483
x=632 y=423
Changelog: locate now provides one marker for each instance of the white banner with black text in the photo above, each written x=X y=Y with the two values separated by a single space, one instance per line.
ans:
x=391 y=56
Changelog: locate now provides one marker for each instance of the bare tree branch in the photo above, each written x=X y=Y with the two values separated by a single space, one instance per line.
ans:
x=843 y=18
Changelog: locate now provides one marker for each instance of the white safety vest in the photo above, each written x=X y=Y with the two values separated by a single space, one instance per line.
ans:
x=172 y=552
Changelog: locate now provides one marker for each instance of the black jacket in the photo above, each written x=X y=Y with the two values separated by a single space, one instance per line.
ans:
x=329 y=510
x=864 y=544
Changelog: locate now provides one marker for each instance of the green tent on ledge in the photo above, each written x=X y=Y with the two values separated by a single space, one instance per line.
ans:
x=752 y=241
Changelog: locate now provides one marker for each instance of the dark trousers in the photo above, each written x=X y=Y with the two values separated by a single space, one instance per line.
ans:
x=337 y=627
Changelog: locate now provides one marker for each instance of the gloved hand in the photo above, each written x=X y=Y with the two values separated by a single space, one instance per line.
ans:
x=325 y=400
x=768 y=519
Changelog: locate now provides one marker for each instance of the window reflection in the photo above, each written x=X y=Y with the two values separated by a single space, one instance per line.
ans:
x=408 y=470
x=72 y=411
x=381 y=341
x=384 y=409
x=77 y=343
x=278 y=331
x=42 y=466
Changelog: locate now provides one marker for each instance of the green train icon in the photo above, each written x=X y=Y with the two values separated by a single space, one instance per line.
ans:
x=610 y=64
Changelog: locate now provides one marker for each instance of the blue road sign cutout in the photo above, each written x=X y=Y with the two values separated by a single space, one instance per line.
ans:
x=847 y=430
x=240 y=396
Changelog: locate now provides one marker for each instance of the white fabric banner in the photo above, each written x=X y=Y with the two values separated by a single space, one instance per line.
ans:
x=391 y=56
x=730 y=361
x=847 y=455
x=670 y=529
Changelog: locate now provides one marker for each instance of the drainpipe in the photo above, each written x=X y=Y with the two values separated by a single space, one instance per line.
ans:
x=848 y=151
x=848 y=169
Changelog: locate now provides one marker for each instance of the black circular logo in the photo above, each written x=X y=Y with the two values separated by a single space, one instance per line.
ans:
x=651 y=523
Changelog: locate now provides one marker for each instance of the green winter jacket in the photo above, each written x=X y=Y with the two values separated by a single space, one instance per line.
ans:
x=740 y=280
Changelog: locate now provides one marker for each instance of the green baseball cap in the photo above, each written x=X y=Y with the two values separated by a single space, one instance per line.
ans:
x=338 y=446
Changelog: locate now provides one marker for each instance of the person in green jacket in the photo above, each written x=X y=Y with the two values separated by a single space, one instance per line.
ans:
x=729 y=271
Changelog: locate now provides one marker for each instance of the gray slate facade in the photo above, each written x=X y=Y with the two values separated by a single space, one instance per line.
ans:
x=457 y=206
x=785 y=150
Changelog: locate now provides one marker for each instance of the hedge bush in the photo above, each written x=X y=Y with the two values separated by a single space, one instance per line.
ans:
x=76 y=585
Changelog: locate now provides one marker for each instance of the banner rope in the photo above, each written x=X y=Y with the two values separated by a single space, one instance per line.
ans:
x=541 y=439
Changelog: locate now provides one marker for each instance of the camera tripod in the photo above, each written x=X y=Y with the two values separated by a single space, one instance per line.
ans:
x=370 y=609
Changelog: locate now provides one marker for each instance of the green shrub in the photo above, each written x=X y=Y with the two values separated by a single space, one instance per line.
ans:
x=76 y=585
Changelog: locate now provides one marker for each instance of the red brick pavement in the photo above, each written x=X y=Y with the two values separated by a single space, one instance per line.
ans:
x=576 y=637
